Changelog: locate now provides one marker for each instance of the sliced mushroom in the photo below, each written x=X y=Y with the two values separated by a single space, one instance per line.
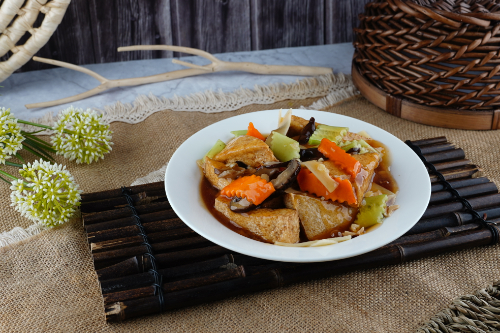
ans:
x=310 y=154
x=241 y=205
x=241 y=164
x=307 y=131
x=287 y=177
x=272 y=173
x=272 y=165
x=232 y=174
x=233 y=171
x=354 y=150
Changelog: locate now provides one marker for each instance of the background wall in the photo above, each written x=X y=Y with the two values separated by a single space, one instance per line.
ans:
x=92 y=30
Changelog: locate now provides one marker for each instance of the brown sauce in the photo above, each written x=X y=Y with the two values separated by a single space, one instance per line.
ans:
x=382 y=177
x=209 y=194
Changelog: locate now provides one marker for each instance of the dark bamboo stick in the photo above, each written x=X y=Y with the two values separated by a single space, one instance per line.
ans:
x=120 y=311
x=107 y=204
x=156 y=237
x=129 y=220
x=447 y=155
x=148 y=188
x=178 y=257
x=117 y=202
x=395 y=254
x=129 y=231
x=429 y=149
x=460 y=183
x=466 y=192
x=142 y=263
x=289 y=275
x=126 y=267
x=451 y=164
x=477 y=203
x=172 y=273
x=430 y=141
x=120 y=254
x=451 y=220
x=451 y=174
x=435 y=234
x=92 y=218
x=230 y=274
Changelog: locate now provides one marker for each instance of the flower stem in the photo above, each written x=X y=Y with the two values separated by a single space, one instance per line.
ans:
x=5 y=180
x=33 y=124
x=13 y=164
x=7 y=175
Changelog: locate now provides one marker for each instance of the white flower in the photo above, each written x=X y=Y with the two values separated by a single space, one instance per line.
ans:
x=10 y=135
x=48 y=195
x=81 y=135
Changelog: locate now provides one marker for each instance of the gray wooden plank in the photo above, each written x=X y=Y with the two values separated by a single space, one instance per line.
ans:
x=163 y=27
x=341 y=16
x=122 y=23
x=214 y=26
x=287 y=23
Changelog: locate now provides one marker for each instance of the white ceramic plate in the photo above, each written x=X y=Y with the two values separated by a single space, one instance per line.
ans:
x=183 y=177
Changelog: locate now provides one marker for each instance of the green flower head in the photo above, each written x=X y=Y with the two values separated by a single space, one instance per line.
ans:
x=48 y=195
x=81 y=135
x=10 y=135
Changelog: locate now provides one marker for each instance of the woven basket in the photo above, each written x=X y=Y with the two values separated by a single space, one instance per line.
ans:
x=434 y=62
x=16 y=19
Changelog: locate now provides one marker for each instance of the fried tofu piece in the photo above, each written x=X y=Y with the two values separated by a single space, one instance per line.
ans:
x=369 y=162
x=247 y=149
x=353 y=136
x=273 y=225
x=320 y=218
x=297 y=125
x=209 y=171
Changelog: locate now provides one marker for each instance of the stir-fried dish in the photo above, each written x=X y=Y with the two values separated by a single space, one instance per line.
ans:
x=305 y=184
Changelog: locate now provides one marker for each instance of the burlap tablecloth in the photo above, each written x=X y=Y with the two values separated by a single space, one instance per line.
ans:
x=47 y=282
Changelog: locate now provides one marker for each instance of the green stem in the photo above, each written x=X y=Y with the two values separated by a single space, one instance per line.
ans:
x=35 y=153
x=13 y=164
x=34 y=138
x=38 y=145
x=20 y=158
x=7 y=175
x=33 y=124
x=5 y=180
x=67 y=131
x=33 y=132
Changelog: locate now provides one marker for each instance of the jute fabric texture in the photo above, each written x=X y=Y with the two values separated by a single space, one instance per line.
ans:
x=47 y=283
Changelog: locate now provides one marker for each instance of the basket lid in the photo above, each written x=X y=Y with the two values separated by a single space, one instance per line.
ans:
x=453 y=12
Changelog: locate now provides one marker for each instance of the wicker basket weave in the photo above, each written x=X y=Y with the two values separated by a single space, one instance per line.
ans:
x=16 y=19
x=441 y=54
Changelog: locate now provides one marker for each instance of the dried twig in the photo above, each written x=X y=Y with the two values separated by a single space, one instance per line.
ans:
x=216 y=65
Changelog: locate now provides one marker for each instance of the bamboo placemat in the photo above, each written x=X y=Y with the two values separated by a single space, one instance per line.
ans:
x=49 y=283
x=148 y=261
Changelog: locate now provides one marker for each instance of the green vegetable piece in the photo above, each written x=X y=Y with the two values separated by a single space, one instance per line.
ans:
x=284 y=148
x=368 y=147
x=218 y=146
x=352 y=144
x=372 y=211
x=332 y=133
x=239 y=133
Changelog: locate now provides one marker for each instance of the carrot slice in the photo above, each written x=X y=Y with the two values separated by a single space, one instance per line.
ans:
x=338 y=156
x=343 y=193
x=254 y=188
x=252 y=131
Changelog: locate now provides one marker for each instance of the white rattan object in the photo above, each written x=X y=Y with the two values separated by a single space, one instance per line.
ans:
x=16 y=18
